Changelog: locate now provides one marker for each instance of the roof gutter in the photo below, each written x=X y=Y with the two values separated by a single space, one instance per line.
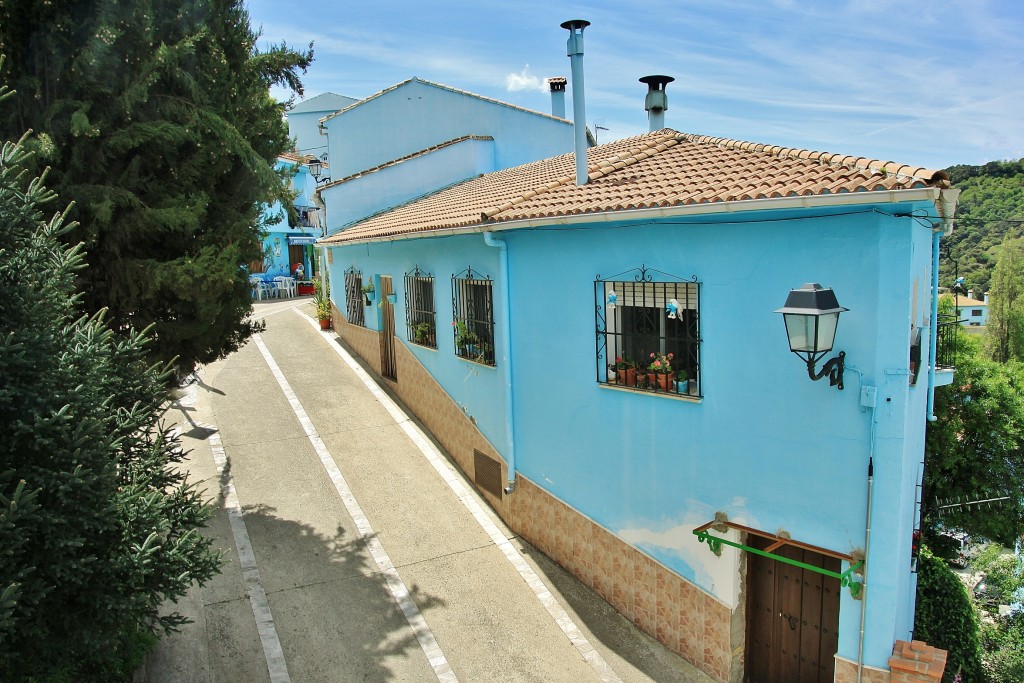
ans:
x=684 y=211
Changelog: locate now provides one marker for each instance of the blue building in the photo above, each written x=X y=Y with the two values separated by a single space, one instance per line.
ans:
x=722 y=508
x=416 y=137
x=289 y=241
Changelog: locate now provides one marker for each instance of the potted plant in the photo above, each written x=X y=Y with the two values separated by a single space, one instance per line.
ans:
x=368 y=293
x=627 y=371
x=423 y=332
x=682 y=386
x=323 y=309
x=659 y=372
x=613 y=373
x=465 y=339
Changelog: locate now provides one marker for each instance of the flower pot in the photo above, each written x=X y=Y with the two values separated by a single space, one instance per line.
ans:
x=666 y=381
x=367 y=299
x=325 y=324
x=392 y=298
x=627 y=377
x=652 y=380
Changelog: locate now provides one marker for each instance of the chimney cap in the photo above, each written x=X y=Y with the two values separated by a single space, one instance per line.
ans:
x=655 y=81
x=573 y=24
x=557 y=83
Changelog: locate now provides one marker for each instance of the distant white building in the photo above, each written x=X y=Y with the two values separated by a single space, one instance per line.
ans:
x=970 y=311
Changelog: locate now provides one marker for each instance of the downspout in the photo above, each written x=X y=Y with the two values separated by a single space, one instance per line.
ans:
x=933 y=334
x=946 y=204
x=867 y=547
x=506 y=339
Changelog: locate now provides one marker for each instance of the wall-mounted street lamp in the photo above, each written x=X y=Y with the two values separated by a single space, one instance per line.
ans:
x=316 y=167
x=811 y=314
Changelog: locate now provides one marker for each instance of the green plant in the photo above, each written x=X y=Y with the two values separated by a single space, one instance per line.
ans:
x=368 y=288
x=322 y=305
x=463 y=335
x=661 y=364
x=945 y=617
x=423 y=331
x=622 y=363
x=99 y=526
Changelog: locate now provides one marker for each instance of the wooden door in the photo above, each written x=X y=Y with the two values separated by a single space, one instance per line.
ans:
x=388 y=365
x=792 y=618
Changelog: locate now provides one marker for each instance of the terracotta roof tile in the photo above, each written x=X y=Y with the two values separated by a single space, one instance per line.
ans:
x=660 y=169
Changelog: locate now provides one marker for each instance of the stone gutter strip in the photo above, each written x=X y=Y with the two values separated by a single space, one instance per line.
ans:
x=271 y=644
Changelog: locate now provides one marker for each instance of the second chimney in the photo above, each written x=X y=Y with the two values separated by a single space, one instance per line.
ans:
x=656 y=102
x=557 y=86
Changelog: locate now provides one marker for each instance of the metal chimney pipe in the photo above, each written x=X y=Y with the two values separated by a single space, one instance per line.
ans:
x=656 y=102
x=574 y=50
x=557 y=86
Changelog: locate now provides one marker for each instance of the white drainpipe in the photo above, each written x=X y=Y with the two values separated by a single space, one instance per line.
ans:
x=946 y=204
x=504 y=299
x=574 y=50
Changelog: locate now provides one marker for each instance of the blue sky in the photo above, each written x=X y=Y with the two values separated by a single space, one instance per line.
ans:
x=926 y=83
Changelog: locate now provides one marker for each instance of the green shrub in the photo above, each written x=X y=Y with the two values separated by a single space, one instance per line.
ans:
x=946 y=618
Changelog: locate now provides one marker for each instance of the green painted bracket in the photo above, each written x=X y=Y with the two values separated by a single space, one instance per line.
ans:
x=845 y=578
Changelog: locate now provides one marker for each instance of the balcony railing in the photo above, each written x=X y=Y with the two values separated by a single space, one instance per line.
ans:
x=945 y=353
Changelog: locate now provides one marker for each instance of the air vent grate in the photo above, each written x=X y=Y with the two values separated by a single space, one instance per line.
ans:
x=487 y=473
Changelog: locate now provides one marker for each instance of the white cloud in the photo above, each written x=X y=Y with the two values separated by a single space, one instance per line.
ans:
x=523 y=80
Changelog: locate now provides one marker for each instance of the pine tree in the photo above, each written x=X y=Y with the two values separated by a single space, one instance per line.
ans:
x=156 y=119
x=97 y=526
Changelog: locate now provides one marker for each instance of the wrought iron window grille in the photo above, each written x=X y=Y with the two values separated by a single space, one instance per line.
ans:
x=647 y=332
x=354 y=297
x=420 y=318
x=473 y=316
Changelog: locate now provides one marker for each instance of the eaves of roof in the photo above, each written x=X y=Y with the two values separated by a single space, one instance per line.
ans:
x=659 y=174
x=442 y=87
x=407 y=157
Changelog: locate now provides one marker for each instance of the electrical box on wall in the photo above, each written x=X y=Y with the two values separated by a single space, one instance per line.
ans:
x=868 y=396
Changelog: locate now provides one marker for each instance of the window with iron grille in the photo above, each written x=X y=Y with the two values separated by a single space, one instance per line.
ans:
x=354 y=296
x=473 y=317
x=648 y=332
x=419 y=309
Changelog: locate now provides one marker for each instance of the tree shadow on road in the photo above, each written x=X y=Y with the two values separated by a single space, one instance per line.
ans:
x=334 y=614
x=332 y=610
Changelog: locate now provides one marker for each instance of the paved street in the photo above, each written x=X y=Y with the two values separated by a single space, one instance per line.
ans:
x=354 y=550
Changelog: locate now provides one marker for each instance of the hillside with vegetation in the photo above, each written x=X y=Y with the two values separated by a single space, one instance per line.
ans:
x=991 y=209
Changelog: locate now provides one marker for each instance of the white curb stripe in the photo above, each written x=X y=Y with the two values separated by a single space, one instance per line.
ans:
x=272 y=651
x=472 y=502
x=396 y=586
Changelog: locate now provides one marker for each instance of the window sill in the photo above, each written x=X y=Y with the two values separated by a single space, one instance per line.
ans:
x=688 y=398
x=477 y=362
x=422 y=346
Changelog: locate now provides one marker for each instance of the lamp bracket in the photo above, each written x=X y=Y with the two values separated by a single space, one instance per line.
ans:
x=833 y=368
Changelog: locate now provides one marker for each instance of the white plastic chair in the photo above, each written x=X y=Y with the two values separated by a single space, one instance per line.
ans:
x=259 y=287
x=284 y=286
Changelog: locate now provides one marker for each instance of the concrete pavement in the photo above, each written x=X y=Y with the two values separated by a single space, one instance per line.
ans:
x=354 y=549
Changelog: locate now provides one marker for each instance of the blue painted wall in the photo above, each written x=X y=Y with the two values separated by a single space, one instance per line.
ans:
x=766 y=445
x=477 y=389
x=417 y=115
x=275 y=242
x=304 y=121
x=394 y=185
